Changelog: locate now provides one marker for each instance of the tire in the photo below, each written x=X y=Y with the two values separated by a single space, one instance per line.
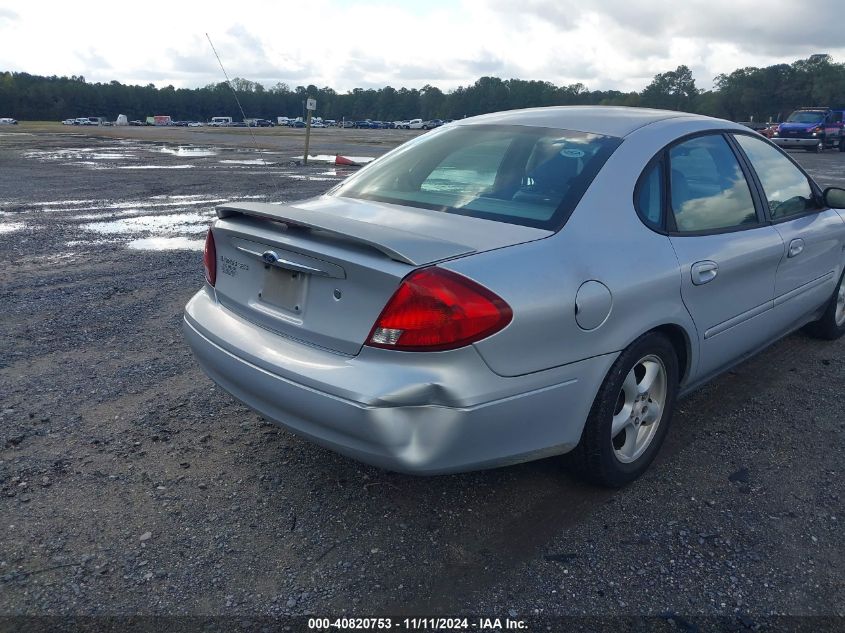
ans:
x=832 y=324
x=842 y=143
x=616 y=461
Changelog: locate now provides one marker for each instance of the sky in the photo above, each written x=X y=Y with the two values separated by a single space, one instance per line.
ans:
x=604 y=44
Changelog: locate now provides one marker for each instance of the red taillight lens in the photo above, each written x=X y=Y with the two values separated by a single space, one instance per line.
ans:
x=209 y=259
x=435 y=309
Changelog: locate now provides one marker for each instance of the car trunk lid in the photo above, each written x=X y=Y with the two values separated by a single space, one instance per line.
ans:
x=321 y=271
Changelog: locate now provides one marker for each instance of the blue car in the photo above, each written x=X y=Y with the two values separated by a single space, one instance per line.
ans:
x=812 y=129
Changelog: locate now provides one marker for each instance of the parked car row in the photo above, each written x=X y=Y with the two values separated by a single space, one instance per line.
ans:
x=298 y=122
x=227 y=121
x=420 y=124
x=138 y=123
x=86 y=120
x=284 y=121
x=412 y=124
x=364 y=124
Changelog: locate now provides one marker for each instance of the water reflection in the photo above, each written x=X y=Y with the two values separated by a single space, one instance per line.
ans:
x=166 y=244
x=10 y=227
x=195 y=152
x=181 y=223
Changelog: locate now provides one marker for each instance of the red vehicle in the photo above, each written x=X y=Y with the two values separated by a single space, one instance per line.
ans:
x=769 y=131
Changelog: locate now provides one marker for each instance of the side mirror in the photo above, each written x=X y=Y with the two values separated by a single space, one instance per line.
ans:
x=834 y=197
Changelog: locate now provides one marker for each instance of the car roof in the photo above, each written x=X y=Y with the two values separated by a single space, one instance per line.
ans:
x=616 y=121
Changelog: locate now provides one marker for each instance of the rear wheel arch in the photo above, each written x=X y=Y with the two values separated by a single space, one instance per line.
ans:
x=680 y=340
x=682 y=343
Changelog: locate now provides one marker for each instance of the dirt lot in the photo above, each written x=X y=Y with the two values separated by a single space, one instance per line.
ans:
x=130 y=484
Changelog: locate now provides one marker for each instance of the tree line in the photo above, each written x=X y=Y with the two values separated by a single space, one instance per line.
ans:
x=760 y=94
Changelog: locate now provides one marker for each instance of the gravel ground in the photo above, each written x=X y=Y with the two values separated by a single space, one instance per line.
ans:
x=130 y=484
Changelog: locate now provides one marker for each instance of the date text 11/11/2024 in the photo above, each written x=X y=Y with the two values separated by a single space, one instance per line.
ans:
x=417 y=624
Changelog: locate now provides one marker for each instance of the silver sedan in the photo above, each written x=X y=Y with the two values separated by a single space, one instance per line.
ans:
x=519 y=285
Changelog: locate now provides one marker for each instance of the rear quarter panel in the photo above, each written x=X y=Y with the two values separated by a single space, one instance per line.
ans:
x=604 y=240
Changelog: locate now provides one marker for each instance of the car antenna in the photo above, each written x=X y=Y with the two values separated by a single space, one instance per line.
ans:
x=238 y=101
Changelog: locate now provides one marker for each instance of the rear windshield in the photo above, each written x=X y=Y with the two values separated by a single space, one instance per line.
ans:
x=805 y=117
x=521 y=175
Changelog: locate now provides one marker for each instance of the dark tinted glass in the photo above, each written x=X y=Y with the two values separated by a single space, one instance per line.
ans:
x=518 y=174
x=708 y=189
x=649 y=198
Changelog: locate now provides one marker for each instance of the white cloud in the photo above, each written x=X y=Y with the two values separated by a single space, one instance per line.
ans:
x=609 y=44
x=7 y=15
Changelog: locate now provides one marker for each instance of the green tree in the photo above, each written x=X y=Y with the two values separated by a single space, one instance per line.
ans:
x=762 y=93
x=432 y=101
x=673 y=90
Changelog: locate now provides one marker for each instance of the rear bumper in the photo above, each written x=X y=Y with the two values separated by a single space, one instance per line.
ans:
x=416 y=413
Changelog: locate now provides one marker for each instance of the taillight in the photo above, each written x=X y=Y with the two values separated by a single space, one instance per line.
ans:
x=435 y=309
x=209 y=258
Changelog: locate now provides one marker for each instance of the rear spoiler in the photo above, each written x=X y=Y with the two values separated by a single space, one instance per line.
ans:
x=399 y=245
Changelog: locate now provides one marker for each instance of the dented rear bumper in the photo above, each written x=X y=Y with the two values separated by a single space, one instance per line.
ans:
x=423 y=413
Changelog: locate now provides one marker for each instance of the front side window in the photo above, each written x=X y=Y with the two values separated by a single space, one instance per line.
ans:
x=788 y=192
x=517 y=174
x=708 y=189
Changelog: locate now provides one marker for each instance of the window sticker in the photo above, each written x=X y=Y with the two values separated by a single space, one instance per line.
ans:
x=572 y=153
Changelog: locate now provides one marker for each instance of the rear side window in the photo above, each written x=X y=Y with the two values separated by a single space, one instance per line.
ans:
x=708 y=190
x=788 y=192
x=532 y=176
x=650 y=196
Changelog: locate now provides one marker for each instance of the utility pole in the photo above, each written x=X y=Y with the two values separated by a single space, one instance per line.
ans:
x=311 y=105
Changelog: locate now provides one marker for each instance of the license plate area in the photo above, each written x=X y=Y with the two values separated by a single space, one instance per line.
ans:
x=284 y=289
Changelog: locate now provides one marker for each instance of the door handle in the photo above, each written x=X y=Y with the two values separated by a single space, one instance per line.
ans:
x=796 y=247
x=704 y=272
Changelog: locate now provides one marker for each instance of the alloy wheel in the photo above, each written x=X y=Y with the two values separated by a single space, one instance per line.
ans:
x=640 y=405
